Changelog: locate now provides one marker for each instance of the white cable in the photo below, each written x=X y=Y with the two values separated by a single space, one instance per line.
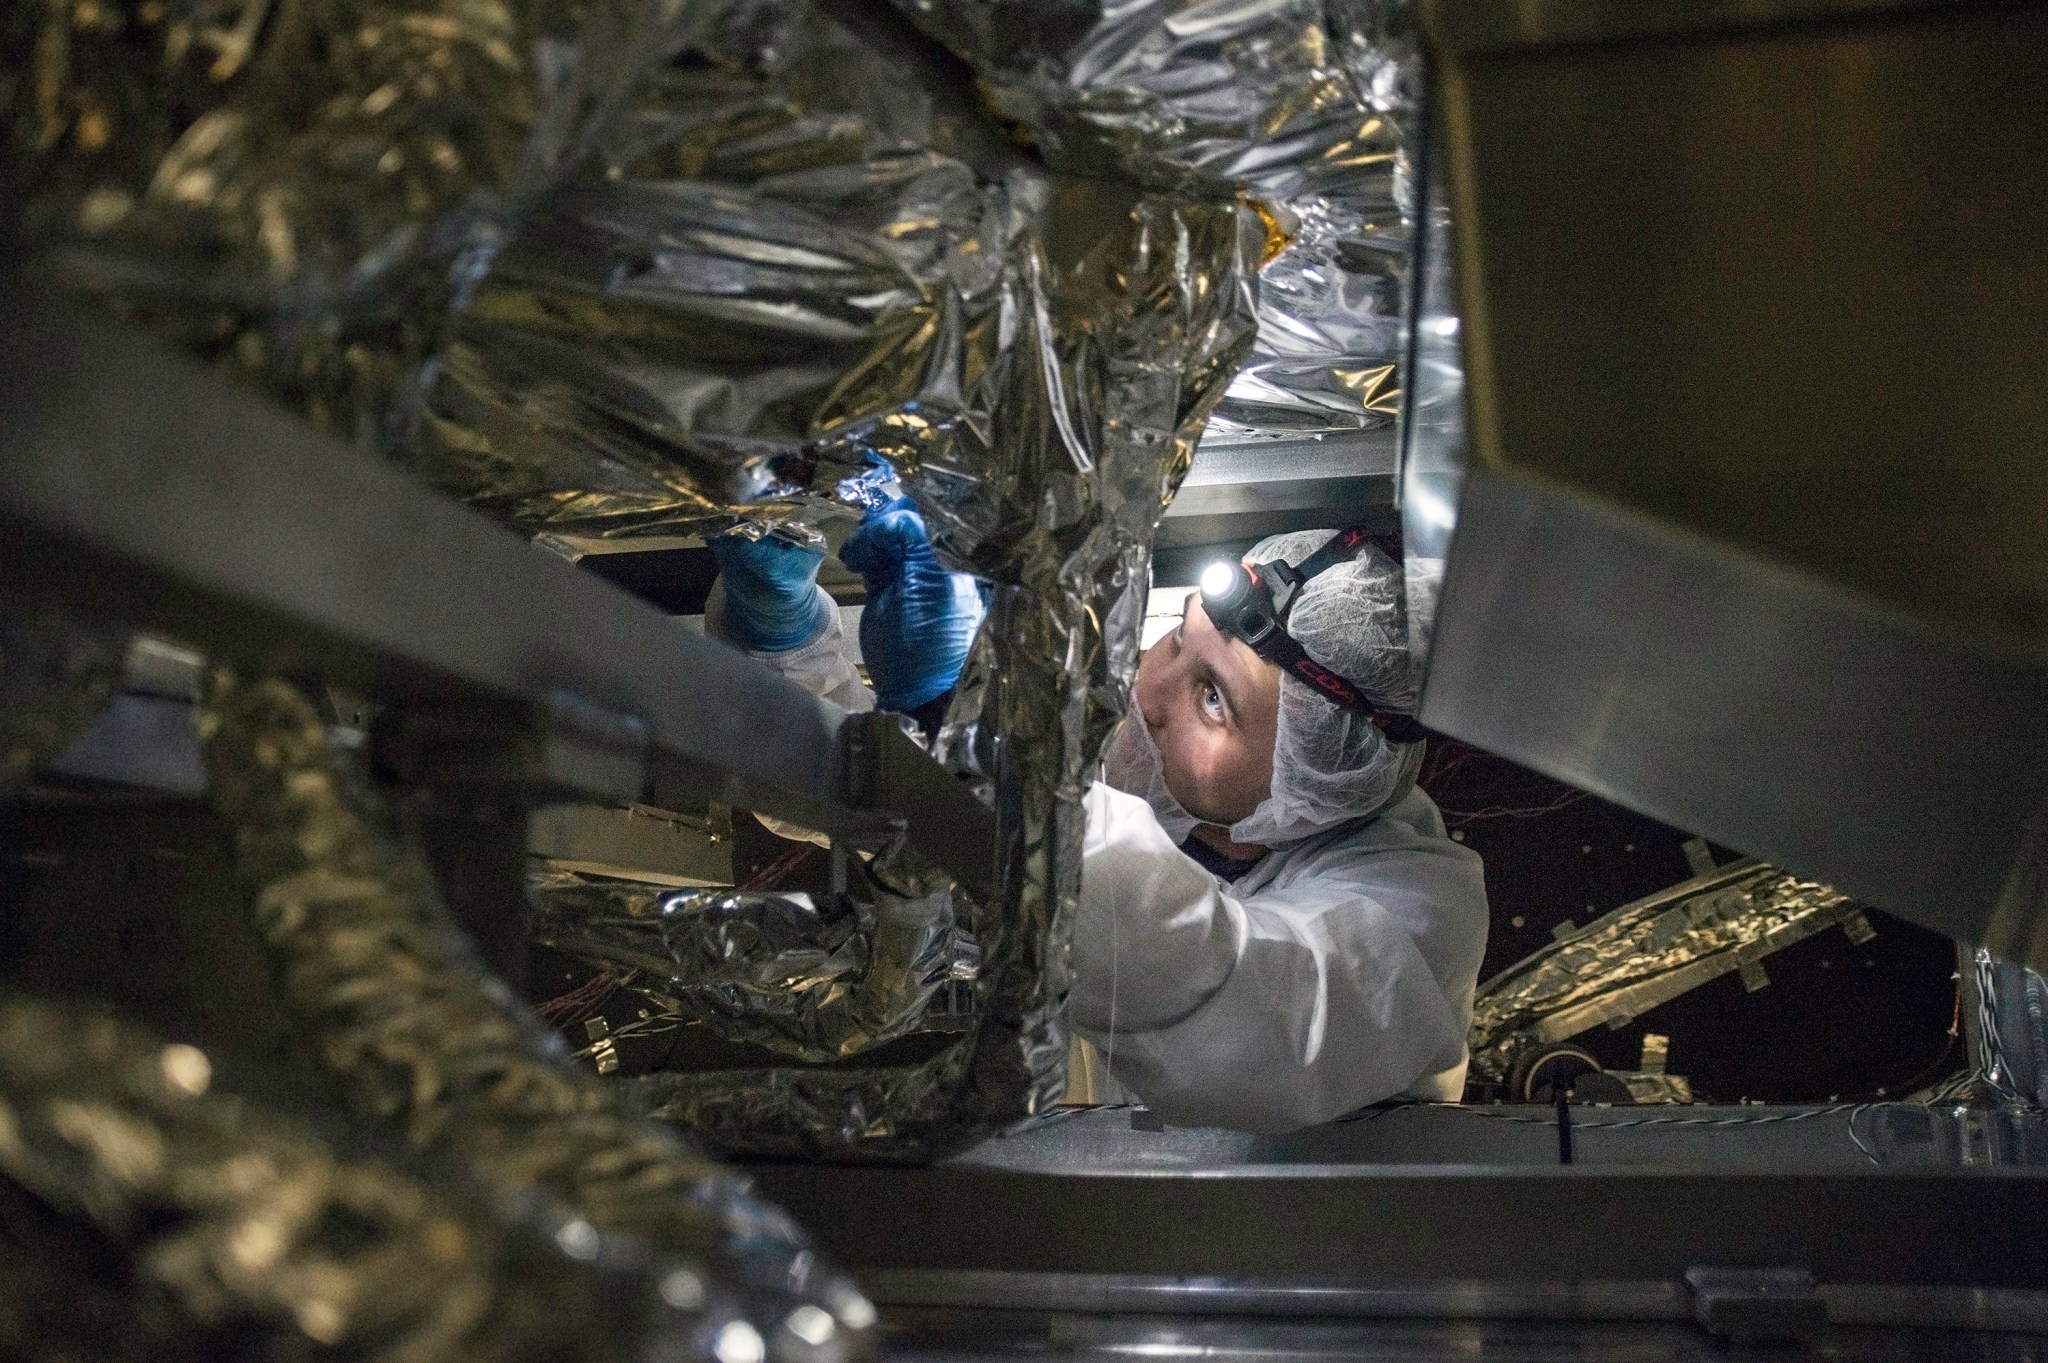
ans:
x=1109 y=1052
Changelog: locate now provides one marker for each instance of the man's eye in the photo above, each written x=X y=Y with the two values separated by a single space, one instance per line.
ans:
x=1212 y=701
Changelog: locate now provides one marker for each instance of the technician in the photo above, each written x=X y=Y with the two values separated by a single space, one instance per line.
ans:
x=1273 y=928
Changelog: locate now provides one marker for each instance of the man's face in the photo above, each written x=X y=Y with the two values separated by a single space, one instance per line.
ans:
x=1213 y=707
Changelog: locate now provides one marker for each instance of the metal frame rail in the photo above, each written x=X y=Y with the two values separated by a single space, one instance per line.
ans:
x=140 y=487
x=1739 y=1249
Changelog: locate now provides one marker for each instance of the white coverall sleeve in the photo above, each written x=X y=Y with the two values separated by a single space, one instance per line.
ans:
x=820 y=667
x=1290 y=1008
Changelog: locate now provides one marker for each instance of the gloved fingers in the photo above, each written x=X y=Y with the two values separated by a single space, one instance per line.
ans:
x=767 y=574
x=886 y=541
x=916 y=637
x=771 y=599
x=967 y=607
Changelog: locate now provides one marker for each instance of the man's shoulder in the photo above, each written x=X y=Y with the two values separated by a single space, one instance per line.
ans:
x=1409 y=826
x=1403 y=849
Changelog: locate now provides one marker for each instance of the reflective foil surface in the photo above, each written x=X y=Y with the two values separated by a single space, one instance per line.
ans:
x=1641 y=954
x=809 y=985
x=653 y=267
x=1305 y=108
x=626 y=269
x=248 y=1228
x=425 y=1044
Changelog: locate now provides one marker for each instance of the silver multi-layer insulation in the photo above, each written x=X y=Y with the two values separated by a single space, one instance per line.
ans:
x=648 y=266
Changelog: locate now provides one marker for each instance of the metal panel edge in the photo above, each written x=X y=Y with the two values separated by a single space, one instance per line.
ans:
x=1744 y=702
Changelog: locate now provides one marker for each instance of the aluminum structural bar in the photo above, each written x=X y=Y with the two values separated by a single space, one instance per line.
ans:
x=1431 y=1224
x=1249 y=489
x=138 y=486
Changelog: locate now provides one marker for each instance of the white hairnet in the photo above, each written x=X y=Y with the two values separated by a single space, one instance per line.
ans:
x=1330 y=764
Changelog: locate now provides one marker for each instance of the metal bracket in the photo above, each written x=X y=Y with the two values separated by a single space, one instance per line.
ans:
x=1757 y=1305
x=884 y=770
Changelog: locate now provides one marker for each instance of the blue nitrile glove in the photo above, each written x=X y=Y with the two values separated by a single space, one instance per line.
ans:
x=920 y=619
x=772 y=601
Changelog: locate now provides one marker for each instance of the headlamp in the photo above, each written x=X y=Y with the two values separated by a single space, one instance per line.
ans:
x=1239 y=601
x=1250 y=602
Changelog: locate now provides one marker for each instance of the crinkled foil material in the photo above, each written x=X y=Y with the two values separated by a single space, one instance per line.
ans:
x=651 y=355
x=56 y=674
x=595 y=274
x=1641 y=955
x=1306 y=107
x=1042 y=423
x=424 y=1042
x=813 y=986
x=287 y=184
x=250 y=1233
x=1083 y=423
x=622 y=277
x=656 y=267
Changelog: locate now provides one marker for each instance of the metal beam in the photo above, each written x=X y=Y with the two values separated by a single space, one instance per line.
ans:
x=137 y=485
x=1258 y=488
x=1761 y=709
x=1888 y=1211
x=1424 y=1224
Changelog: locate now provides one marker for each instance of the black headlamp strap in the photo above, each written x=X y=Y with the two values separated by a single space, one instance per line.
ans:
x=1340 y=547
x=1278 y=647
x=1291 y=657
x=1289 y=578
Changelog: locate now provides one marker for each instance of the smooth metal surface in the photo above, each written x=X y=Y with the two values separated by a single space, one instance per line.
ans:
x=1489 y=25
x=1257 y=488
x=887 y=770
x=1751 y=705
x=148 y=736
x=1956 y=1228
x=1756 y=1305
x=1754 y=537
x=1774 y=276
x=139 y=740
x=1734 y=1138
x=1472 y=1299
x=1843 y=1304
x=963 y=1336
x=136 y=485
x=1956 y=1308
x=1433 y=437
x=1441 y=1213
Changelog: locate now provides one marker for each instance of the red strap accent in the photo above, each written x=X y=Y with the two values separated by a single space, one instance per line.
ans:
x=1325 y=681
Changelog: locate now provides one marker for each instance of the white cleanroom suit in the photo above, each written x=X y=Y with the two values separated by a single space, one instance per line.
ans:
x=1336 y=971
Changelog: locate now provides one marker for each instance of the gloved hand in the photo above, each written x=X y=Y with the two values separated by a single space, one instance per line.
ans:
x=772 y=601
x=920 y=619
